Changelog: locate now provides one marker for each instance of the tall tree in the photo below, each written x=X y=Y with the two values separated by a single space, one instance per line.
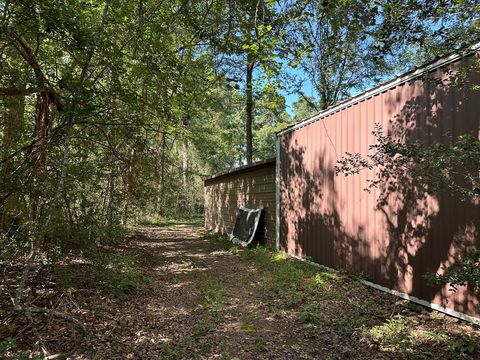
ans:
x=252 y=41
x=93 y=100
x=304 y=107
x=333 y=38
x=434 y=28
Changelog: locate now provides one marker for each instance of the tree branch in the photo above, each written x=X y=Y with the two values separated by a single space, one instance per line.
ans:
x=13 y=91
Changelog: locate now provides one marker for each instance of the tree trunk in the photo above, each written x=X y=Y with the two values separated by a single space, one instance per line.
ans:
x=162 y=175
x=110 y=206
x=249 y=108
x=186 y=122
x=45 y=110
x=323 y=100
x=14 y=108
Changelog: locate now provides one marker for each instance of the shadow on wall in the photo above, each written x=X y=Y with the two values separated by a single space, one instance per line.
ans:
x=407 y=232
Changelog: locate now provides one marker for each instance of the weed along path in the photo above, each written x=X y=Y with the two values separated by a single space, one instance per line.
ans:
x=201 y=298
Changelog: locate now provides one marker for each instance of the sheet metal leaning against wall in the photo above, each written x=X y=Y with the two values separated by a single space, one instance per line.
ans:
x=251 y=187
x=331 y=219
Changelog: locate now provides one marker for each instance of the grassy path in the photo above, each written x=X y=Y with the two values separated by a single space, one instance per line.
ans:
x=208 y=300
x=177 y=292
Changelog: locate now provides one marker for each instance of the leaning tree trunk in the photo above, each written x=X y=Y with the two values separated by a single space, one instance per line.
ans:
x=14 y=108
x=44 y=116
x=185 y=193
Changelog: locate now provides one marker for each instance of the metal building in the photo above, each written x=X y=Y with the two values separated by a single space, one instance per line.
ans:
x=332 y=220
x=250 y=186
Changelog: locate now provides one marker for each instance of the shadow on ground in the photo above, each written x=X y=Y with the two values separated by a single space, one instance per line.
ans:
x=197 y=297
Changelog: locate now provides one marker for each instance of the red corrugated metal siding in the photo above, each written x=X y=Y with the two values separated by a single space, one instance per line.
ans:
x=332 y=220
x=252 y=187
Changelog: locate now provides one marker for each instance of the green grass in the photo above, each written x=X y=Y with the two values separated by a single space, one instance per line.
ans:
x=120 y=275
x=257 y=346
x=116 y=275
x=8 y=351
x=342 y=306
x=249 y=329
x=219 y=241
x=211 y=304
x=195 y=220
x=312 y=313
x=287 y=283
x=211 y=313
x=173 y=352
x=403 y=335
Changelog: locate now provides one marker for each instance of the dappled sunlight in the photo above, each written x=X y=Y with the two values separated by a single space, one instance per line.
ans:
x=180 y=268
x=207 y=295
x=405 y=336
x=397 y=231
x=142 y=337
x=220 y=253
x=179 y=285
x=168 y=312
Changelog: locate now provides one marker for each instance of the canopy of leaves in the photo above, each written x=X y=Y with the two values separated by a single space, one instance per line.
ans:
x=113 y=112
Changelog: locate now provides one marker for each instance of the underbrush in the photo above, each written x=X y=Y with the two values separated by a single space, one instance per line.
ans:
x=9 y=344
x=111 y=274
x=65 y=286
x=405 y=334
x=193 y=220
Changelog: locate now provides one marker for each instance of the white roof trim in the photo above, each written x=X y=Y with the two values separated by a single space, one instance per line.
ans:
x=400 y=79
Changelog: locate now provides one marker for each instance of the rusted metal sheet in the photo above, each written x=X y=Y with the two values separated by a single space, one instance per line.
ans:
x=251 y=187
x=332 y=220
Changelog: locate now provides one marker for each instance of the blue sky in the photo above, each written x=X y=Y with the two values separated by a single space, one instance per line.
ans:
x=307 y=88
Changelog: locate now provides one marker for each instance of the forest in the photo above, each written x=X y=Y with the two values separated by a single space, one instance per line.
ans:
x=113 y=112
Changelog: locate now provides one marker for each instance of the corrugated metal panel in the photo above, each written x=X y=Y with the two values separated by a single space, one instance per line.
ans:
x=332 y=220
x=252 y=187
x=398 y=81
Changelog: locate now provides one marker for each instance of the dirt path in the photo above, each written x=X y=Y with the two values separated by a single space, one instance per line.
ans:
x=206 y=302
x=175 y=319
